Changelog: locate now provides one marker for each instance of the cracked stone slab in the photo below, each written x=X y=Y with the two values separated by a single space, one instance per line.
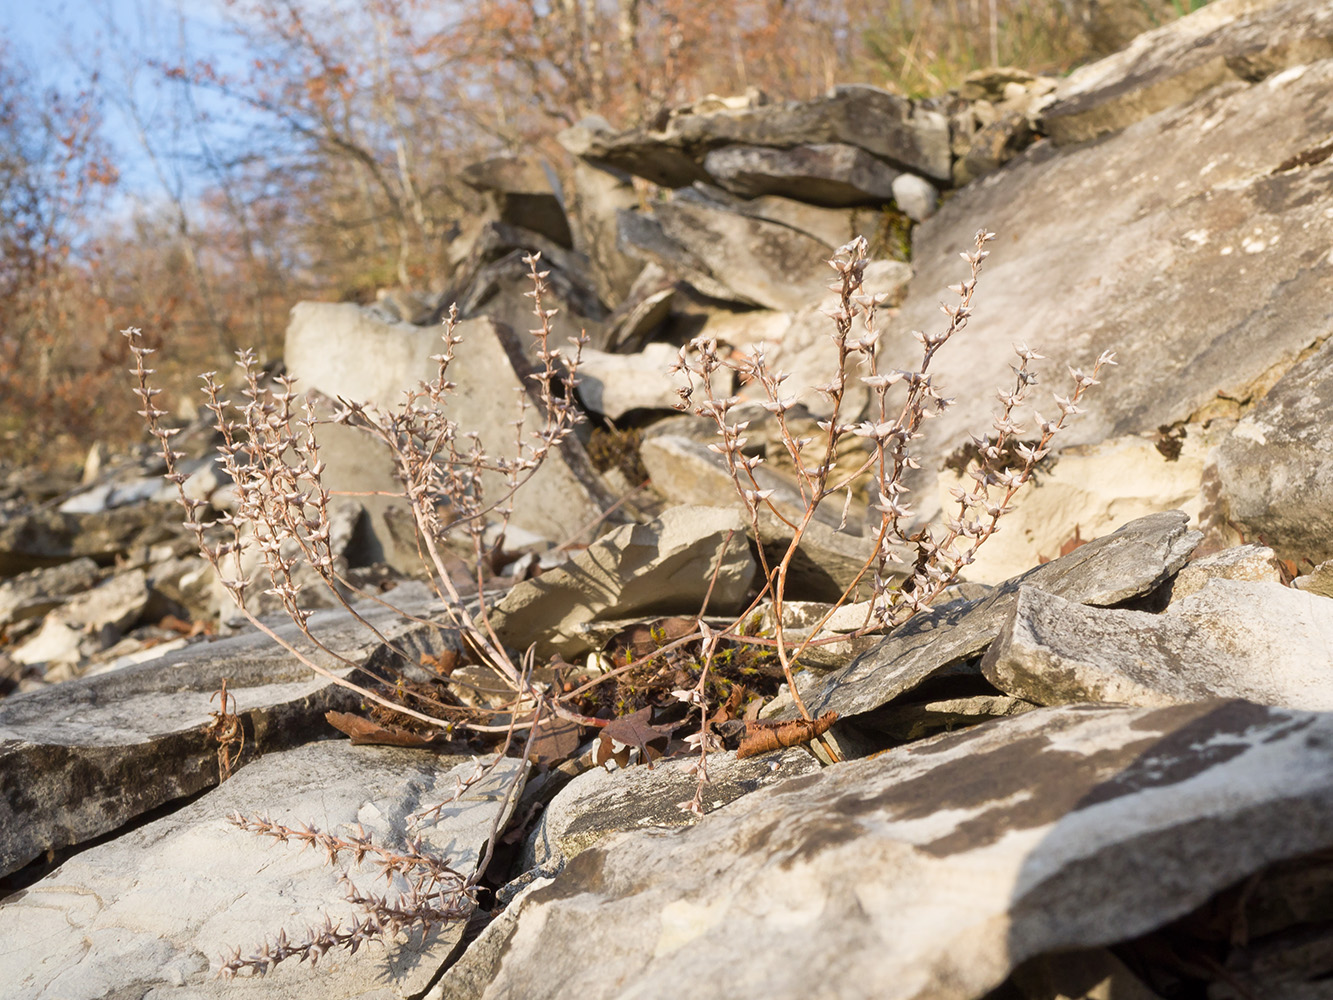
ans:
x=84 y=757
x=1208 y=271
x=933 y=870
x=1263 y=642
x=600 y=803
x=1128 y=563
x=150 y=913
x=1225 y=42
x=663 y=567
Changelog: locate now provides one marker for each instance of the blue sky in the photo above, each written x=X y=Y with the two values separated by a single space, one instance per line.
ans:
x=62 y=42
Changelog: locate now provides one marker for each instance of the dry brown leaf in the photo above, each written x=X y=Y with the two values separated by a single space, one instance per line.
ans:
x=632 y=731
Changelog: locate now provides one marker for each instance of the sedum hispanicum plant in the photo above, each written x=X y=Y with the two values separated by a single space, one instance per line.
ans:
x=271 y=451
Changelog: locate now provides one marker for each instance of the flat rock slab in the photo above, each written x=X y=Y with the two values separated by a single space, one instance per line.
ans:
x=343 y=350
x=1276 y=466
x=84 y=757
x=600 y=803
x=152 y=912
x=891 y=127
x=933 y=870
x=664 y=567
x=831 y=174
x=1230 y=41
x=1262 y=642
x=1128 y=563
x=1208 y=270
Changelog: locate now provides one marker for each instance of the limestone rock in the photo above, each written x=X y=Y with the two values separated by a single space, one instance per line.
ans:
x=1262 y=642
x=600 y=803
x=1131 y=562
x=1058 y=830
x=596 y=197
x=523 y=192
x=74 y=758
x=152 y=912
x=828 y=560
x=644 y=236
x=1256 y=563
x=915 y=196
x=33 y=594
x=762 y=263
x=49 y=537
x=1227 y=41
x=615 y=384
x=339 y=351
x=1276 y=467
x=665 y=567
x=1213 y=291
x=884 y=124
x=832 y=174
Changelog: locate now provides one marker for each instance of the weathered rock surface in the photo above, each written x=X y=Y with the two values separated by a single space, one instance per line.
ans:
x=49 y=537
x=340 y=351
x=600 y=803
x=1214 y=289
x=1262 y=642
x=637 y=569
x=522 y=191
x=596 y=197
x=152 y=912
x=1227 y=41
x=1255 y=563
x=615 y=384
x=33 y=594
x=934 y=870
x=84 y=757
x=1276 y=466
x=1131 y=562
x=831 y=174
x=889 y=126
x=760 y=262
x=685 y=471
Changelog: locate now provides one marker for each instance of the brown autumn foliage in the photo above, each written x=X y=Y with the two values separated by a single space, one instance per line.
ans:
x=342 y=176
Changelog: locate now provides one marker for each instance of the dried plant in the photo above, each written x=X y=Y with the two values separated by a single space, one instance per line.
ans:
x=270 y=449
x=938 y=553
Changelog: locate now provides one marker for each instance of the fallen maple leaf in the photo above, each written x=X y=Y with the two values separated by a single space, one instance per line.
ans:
x=632 y=731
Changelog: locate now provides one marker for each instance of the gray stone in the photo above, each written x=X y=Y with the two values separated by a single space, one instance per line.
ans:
x=643 y=312
x=684 y=470
x=601 y=803
x=49 y=537
x=75 y=759
x=915 y=196
x=663 y=567
x=1129 y=563
x=1276 y=466
x=891 y=127
x=1212 y=283
x=615 y=384
x=933 y=870
x=1262 y=642
x=111 y=495
x=644 y=236
x=832 y=174
x=339 y=351
x=760 y=262
x=1318 y=581
x=831 y=226
x=522 y=191
x=33 y=594
x=597 y=195
x=1256 y=563
x=152 y=912
x=1225 y=42
x=117 y=602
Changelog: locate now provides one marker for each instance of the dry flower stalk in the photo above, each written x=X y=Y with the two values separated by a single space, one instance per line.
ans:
x=271 y=452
